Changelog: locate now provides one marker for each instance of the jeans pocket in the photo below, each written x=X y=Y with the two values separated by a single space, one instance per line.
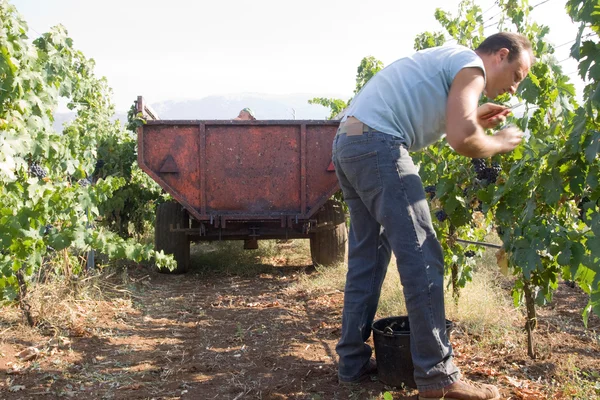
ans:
x=362 y=171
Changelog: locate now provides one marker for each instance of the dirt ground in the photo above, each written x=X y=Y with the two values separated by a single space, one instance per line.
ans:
x=228 y=337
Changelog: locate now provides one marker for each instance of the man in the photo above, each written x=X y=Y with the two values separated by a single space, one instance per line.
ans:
x=245 y=115
x=406 y=107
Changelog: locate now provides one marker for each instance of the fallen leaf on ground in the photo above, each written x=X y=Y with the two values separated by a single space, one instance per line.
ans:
x=28 y=354
x=529 y=394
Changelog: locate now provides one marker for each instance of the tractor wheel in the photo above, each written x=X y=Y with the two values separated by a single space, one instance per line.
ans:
x=176 y=243
x=328 y=239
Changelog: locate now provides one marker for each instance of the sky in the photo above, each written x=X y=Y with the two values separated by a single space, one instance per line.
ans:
x=184 y=49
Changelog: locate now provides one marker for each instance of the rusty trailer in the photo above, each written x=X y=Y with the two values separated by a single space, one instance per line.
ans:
x=243 y=180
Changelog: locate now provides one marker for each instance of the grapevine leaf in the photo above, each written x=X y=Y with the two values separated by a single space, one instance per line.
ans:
x=592 y=306
x=592 y=149
x=552 y=187
x=564 y=258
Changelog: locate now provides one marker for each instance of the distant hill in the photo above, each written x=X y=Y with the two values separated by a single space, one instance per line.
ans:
x=227 y=107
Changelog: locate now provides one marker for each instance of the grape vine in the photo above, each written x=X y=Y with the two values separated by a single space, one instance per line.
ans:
x=47 y=200
x=541 y=199
x=532 y=196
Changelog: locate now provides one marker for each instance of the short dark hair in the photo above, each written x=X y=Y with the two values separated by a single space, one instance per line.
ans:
x=514 y=42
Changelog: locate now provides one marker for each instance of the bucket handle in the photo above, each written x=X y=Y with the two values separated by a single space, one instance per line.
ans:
x=389 y=331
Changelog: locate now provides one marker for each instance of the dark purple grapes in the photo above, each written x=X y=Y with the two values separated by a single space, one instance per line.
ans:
x=36 y=170
x=480 y=167
x=441 y=215
x=84 y=182
x=493 y=172
x=484 y=173
x=99 y=164
x=430 y=190
x=469 y=253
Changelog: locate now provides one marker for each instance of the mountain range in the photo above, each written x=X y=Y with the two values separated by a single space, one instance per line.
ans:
x=294 y=106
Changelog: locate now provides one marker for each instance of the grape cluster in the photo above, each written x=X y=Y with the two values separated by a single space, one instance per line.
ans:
x=84 y=182
x=485 y=173
x=584 y=205
x=48 y=228
x=430 y=191
x=99 y=164
x=441 y=215
x=469 y=253
x=36 y=170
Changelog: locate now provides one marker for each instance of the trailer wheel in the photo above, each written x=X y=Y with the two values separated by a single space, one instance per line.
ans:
x=328 y=239
x=176 y=243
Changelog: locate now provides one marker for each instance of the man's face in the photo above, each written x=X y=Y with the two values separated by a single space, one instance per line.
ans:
x=244 y=116
x=506 y=76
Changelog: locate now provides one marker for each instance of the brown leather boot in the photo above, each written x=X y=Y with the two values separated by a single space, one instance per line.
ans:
x=462 y=390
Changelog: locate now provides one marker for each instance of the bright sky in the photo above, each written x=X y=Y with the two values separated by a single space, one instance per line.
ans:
x=183 y=49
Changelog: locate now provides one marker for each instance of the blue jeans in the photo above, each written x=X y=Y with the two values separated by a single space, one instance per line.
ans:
x=389 y=212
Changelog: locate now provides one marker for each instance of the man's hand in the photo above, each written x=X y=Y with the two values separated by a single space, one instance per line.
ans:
x=466 y=122
x=508 y=138
x=490 y=115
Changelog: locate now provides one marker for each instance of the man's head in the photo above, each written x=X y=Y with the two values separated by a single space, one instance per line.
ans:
x=507 y=58
x=246 y=115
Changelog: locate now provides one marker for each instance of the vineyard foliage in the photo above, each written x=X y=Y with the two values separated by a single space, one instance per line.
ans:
x=55 y=194
x=544 y=203
x=542 y=199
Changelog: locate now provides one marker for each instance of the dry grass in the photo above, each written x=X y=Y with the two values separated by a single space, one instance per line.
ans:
x=66 y=305
x=484 y=309
x=230 y=257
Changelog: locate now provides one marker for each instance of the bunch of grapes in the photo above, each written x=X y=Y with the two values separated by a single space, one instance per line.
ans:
x=36 y=170
x=469 y=253
x=48 y=229
x=441 y=215
x=485 y=173
x=84 y=182
x=99 y=164
x=480 y=167
x=430 y=191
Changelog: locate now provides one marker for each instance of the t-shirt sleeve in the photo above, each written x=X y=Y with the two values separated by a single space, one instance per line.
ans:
x=463 y=59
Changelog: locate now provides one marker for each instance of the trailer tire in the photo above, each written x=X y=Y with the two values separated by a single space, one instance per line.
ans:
x=328 y=240
x=175 y=243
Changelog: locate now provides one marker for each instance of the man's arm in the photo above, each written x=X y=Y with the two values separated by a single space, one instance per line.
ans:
x=463 y=131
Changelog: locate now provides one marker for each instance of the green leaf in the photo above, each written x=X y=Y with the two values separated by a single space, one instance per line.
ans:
x=575 y=49
x=593 y=244
x=593 y=177
x=60 y=240
x=592 y=306
x=564 y=258
x=592 y=149
x=528 y=259
x=552 y=187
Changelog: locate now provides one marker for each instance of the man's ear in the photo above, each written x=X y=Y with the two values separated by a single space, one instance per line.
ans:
x=502 y=53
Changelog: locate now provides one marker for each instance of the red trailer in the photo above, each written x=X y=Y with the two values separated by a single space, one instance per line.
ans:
x=243 y=180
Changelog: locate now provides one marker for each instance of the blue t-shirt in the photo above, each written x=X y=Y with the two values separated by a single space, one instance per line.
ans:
x=408 y=98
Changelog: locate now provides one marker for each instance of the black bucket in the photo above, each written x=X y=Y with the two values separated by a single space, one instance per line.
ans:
x=392 y=351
